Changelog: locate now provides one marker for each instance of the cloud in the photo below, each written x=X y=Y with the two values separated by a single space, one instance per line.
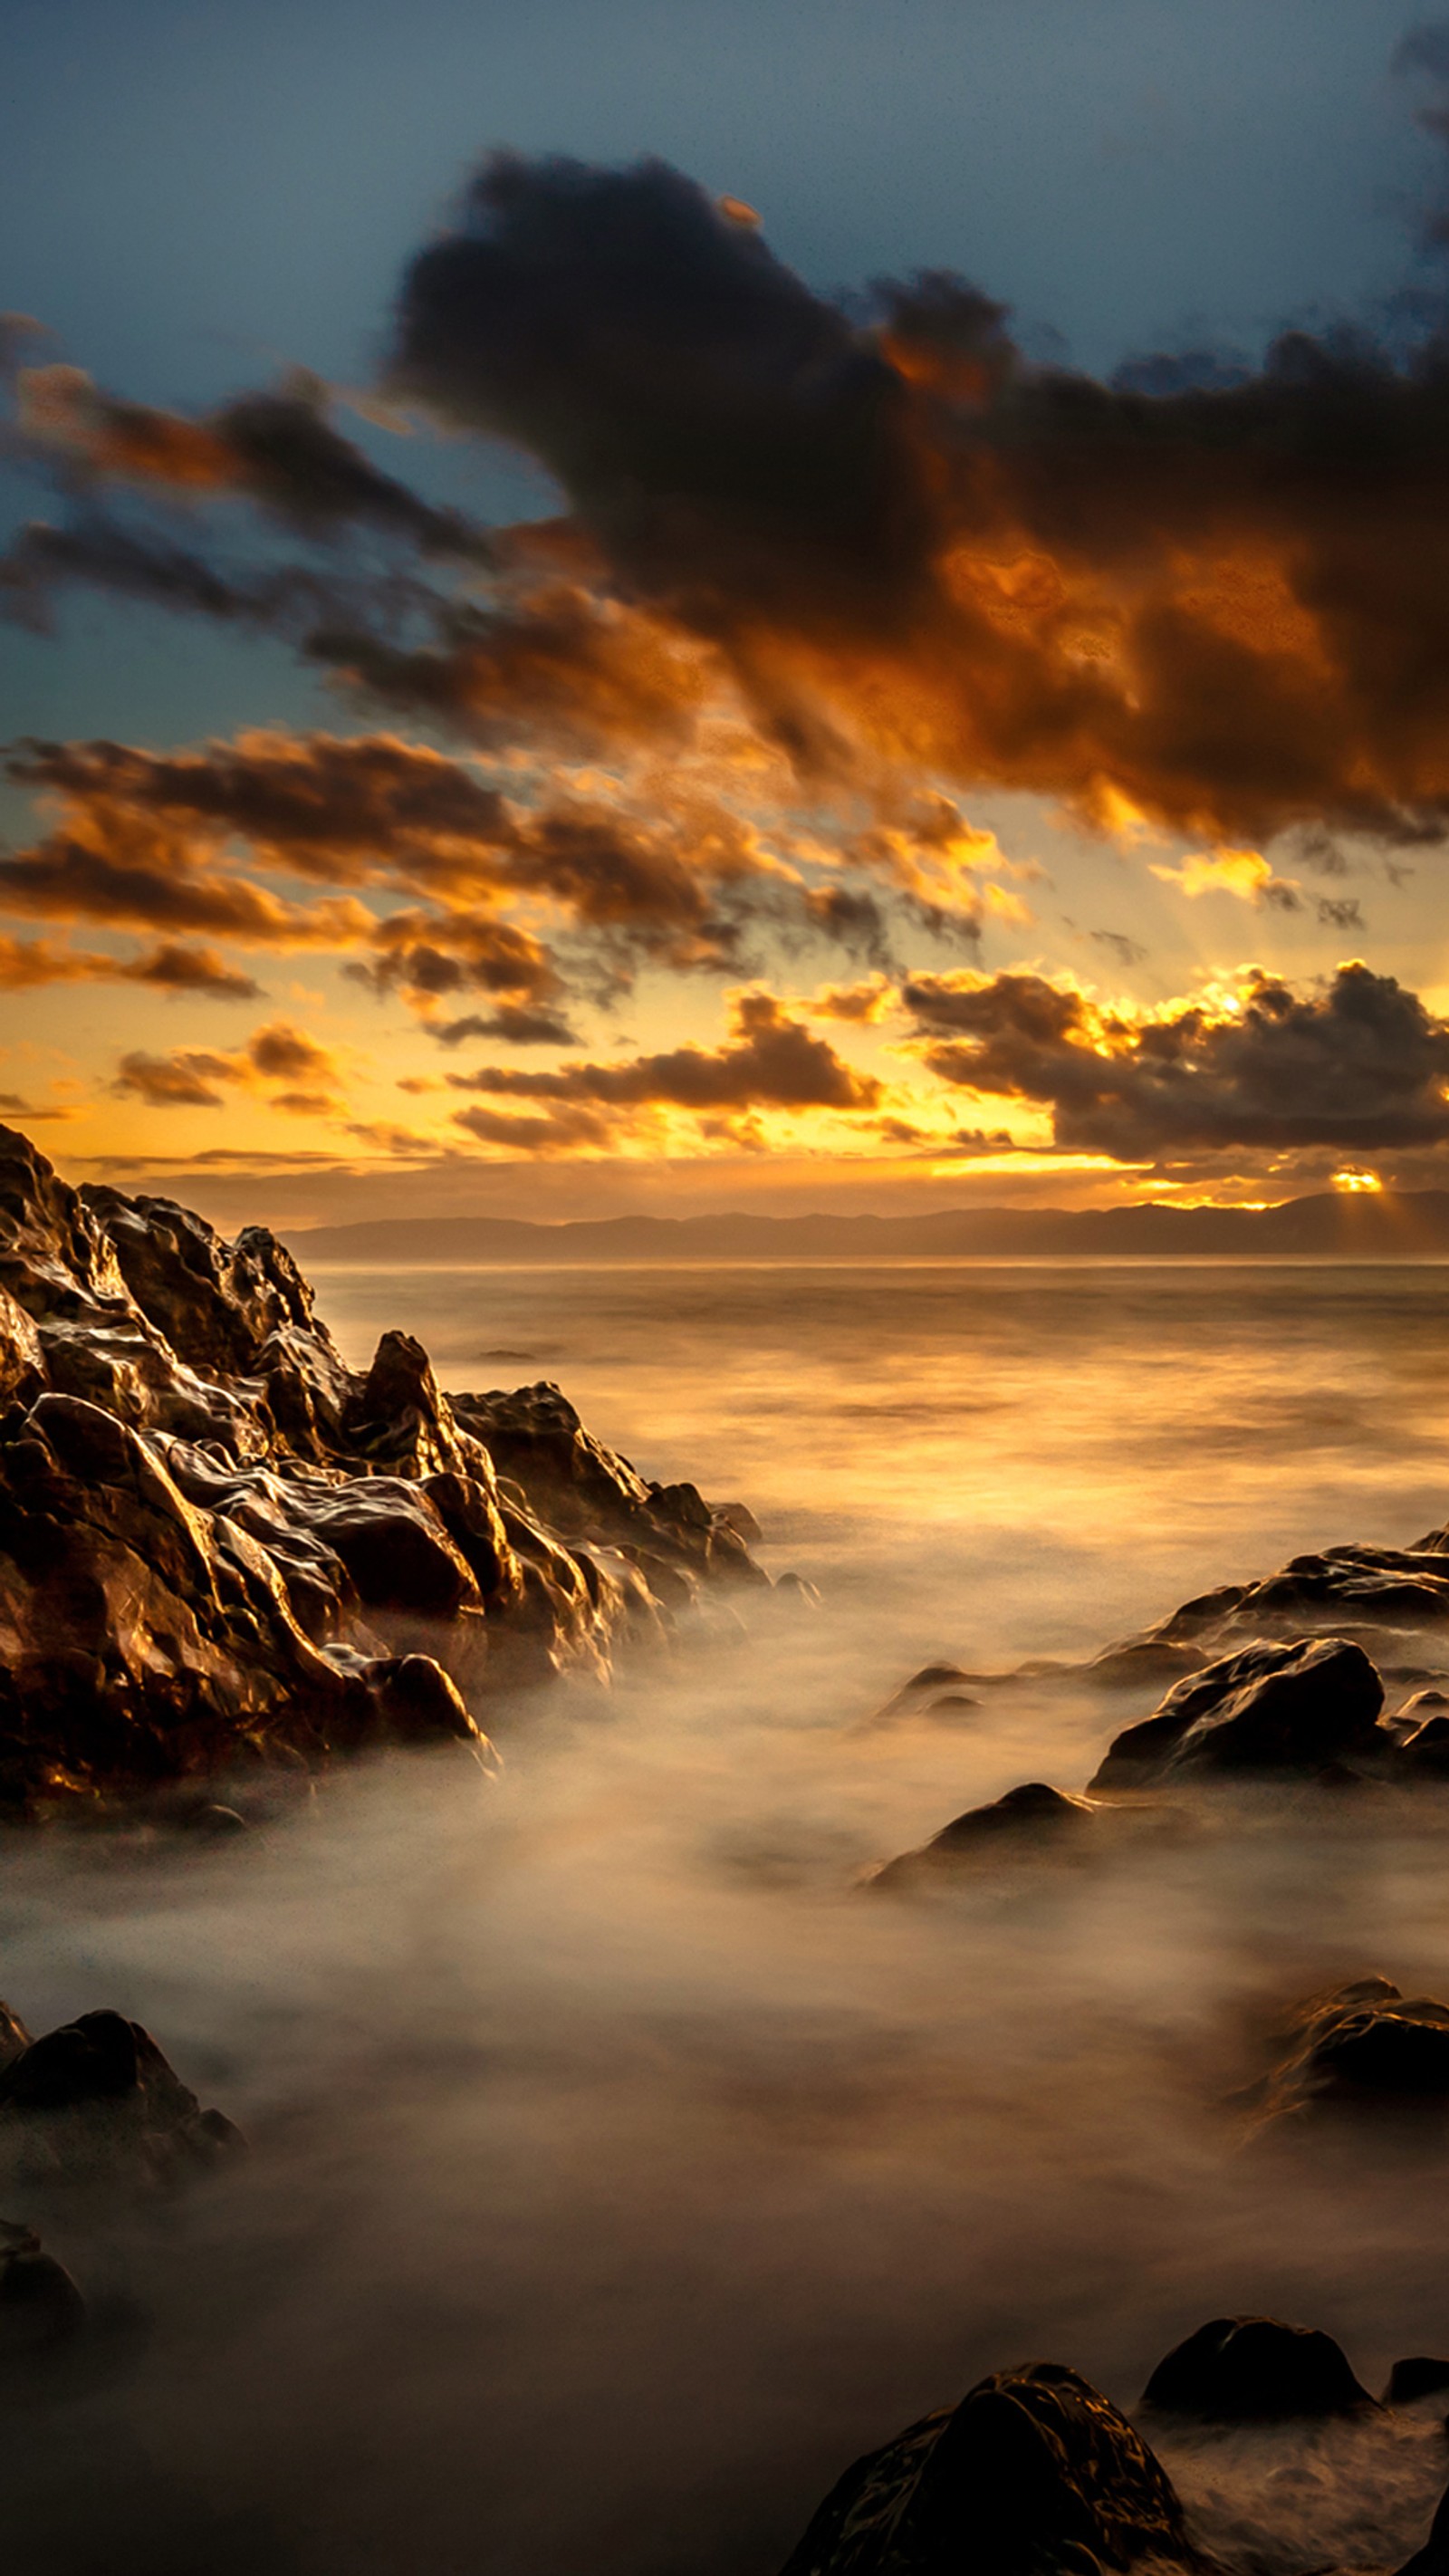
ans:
x=876 y=532
x=771 y=1061
x=660 y=869
x=514 y=1023
x=1356 y=1063
x=276 y=448
x=1244 y=873
x=172 y=968
x=567 y=1128
x=1127 y=951
x=135 y=879
x=198 y=1077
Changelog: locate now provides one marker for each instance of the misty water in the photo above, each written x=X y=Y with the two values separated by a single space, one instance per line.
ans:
x=620 y=2170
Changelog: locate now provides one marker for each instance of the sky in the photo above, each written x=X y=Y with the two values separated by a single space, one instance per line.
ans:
x=773 y=603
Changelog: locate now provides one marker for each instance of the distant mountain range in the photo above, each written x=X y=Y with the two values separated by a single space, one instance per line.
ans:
x=1385 y=1225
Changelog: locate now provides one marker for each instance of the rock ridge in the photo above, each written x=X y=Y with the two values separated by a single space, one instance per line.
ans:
x=221 y=1547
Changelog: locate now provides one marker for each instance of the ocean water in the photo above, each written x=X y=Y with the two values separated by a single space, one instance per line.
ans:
x=621 y=2168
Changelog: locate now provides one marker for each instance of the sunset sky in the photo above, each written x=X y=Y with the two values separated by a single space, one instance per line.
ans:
x=777 y=603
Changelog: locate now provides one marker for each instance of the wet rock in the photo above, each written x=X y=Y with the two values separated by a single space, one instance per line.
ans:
x=1422 y=2375
x=1032 y=1822
x=1255 y=2370
x=96 y=2102
x=1033 y=2471
x=218 y=1544
x=1360 y=2044
x=1295 y=1707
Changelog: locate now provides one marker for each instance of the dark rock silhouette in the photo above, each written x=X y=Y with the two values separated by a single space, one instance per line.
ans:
x=1362 y=2043
x=1254 y=2370
x=41 y=2311
x=1033 y=2470
x=1295 y=1707
x=220 y=1547
x=1433 y=2558
x=97 y=2103
x=1422 y=2375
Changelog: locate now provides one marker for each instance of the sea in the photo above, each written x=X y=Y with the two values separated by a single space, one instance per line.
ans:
x=621 y=2165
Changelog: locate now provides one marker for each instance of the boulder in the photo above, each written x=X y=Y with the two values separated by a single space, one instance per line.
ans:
x=1033 y=2471
x=1360 y=2044
x=1033 y=1818
x=1295 y=1707
x=1255 y=2370
x=1422 y=2375
x=97 y=2103
x=1031 y=1823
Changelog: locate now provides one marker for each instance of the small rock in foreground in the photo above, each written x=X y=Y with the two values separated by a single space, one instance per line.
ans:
x=1033 y=2470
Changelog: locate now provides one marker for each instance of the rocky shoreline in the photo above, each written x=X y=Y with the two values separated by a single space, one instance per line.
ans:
x=227 y=1561
x=222 y=1551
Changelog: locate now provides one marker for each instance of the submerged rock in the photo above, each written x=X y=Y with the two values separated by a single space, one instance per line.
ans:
x=1034 y=1821
x=97 y=2103
x=1295 y=1707
x=1360 y=2044
x=221 y=1546
x=1255 y=2370
x=1034 y=2470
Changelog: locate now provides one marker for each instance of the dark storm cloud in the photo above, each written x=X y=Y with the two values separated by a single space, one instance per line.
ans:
x=1358 y=1064
x=723 y=432
x=1226 y=600
x=1217 y=596
x=770 y=1062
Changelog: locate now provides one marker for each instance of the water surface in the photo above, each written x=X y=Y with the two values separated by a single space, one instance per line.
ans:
x=621 y=2170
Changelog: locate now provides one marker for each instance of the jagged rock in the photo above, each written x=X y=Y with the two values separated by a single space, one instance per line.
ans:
x=1255 y=2370
x=1295 y=1707
x=588 y=1492
x=1361 y=2043
x=1032 y=1822
x=1421 y=2375
x=97 y=2102
x=1033 y=2471
x=220 y=1546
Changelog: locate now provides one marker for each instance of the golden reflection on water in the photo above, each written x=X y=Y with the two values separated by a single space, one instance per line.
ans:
x=1080 y=1445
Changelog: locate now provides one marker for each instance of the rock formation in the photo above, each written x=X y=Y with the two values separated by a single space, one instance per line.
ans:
x=219 y=1546
x=1295 y=1707
x=1255 y=2370
x=1034 y=2470
x=1030 y=1823
x=1359 y=2045
x=1035 y=2473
